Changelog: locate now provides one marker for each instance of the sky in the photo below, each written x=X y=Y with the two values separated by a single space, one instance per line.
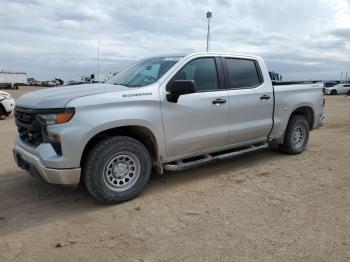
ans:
x=302 y=40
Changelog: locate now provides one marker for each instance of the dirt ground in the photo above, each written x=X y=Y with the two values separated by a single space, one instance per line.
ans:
x=265 y=206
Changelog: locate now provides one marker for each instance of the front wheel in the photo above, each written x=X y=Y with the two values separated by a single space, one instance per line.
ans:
x=2 y=111
x=117 y=169
x=296 y=136
x=334 y=92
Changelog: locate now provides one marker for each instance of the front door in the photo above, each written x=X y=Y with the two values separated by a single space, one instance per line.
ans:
x=198 y=121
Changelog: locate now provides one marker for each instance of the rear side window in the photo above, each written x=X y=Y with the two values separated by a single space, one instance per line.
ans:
x=203 y=72
x=346 y=85
x=243 y=73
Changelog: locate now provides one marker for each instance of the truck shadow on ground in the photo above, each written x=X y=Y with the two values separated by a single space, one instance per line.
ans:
x=27 y=202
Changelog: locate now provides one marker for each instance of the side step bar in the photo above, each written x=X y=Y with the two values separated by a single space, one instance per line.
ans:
x=210 y=158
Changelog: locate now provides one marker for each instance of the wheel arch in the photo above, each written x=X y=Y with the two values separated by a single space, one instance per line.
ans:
x=307 y=112
x=143 y=134
x=303 y=109
x=334 y=91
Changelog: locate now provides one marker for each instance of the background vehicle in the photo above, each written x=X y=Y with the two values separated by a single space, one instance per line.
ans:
x=7 y=104
x=100 y=78
x=169 y=113
x=53 y=83
x=31 y=81
x=11 y=80
x=338 y=89
x=330 y=84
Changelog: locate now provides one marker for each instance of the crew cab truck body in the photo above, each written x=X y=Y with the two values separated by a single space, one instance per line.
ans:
x=170 y=112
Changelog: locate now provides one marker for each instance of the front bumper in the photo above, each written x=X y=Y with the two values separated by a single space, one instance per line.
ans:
x=33 y=165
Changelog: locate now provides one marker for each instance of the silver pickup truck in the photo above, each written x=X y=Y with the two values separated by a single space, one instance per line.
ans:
x=162 y=113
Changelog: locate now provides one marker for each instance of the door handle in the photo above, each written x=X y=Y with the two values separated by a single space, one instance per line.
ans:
x=219 y=101
x=265 y=97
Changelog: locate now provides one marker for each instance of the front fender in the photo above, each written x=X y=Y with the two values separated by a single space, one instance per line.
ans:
x=98 y=113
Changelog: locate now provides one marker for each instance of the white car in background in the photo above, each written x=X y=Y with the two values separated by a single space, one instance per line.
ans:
x=338 y=89
x=7 y=104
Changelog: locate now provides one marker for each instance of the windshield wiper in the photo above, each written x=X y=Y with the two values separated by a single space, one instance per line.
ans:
x=126 y=85
x=133 y=85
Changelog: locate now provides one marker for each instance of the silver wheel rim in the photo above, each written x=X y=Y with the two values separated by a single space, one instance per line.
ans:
x=298 y=136
x=121 y=171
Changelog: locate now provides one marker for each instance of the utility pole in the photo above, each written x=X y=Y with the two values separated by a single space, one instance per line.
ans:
x=98 y=61
x=346 y=76
x=209 y=16
x=341 y=76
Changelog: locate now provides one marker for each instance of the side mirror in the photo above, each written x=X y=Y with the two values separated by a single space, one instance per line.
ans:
x=176 y=88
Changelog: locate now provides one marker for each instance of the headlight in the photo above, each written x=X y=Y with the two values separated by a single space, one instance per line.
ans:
x=56 y=117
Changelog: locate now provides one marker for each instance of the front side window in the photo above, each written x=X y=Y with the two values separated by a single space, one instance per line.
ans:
x=145 y=72
x=243 y=73
x=203 y=72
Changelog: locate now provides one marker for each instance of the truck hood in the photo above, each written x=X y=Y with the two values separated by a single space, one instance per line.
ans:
x=58 y=97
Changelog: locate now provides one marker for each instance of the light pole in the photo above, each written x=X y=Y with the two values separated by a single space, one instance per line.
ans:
x=209 y=16
x=341 y=76
x=98 y=61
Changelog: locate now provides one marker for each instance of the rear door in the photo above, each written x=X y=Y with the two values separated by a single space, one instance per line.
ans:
x=250 y=99
x=197 y=122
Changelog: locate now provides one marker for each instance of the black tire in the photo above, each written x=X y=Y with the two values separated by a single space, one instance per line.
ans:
x=293 y=144
x=334 y=92
x=99 y=170
x=2 y=111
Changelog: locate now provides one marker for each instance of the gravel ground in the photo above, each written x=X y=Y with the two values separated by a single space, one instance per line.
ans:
x=265 y=206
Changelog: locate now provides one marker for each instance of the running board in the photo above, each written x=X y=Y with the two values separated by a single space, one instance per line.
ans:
x=210 y=158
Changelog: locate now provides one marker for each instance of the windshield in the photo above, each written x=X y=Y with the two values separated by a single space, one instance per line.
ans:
x=145 y=72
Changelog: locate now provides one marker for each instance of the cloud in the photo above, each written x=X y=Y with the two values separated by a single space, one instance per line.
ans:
x=47 y=39
x=343 y=33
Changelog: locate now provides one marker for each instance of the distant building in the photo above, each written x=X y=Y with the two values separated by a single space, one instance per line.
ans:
x=12 y=79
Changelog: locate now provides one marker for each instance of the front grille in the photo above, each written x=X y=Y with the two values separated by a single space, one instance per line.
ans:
x=28 y=126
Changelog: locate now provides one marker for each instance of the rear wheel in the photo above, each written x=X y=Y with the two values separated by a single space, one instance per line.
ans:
x=117 y=169
x=334 y=92
x=296 y=136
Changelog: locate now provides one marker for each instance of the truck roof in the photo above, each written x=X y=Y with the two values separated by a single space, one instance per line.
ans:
x=185 y=55
x=207 y=53
x=223 y=54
